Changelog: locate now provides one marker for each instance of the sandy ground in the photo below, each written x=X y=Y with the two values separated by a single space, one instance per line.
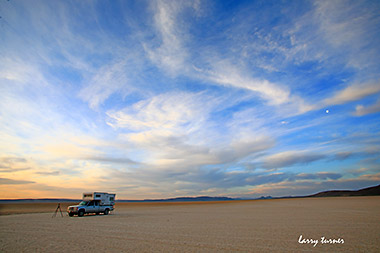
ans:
x=242 y=226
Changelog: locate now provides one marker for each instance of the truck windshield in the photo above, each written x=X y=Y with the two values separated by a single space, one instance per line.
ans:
x=83 y=203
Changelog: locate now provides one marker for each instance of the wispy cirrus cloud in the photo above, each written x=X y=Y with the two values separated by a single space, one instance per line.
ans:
x=351 y=28
x=174 y=55
x=170 y=54
x=107 y=81
x=188 y=97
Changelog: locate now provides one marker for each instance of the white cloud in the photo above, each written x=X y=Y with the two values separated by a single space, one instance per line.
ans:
x=170 y=53
x=353 y=92
x=160 y=127
x=174 y=131
x=361 y=110
x=237 y=76
x=172 y=112
x=228 y=75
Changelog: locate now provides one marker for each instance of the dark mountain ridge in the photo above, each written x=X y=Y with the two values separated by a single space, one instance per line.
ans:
x=370 y=191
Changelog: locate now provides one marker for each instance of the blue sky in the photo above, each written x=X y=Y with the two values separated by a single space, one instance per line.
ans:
x=156 y=99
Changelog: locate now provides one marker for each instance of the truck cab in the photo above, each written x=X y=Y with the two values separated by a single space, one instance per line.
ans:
x=92 y=205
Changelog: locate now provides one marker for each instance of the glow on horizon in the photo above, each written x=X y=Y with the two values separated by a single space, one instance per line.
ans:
x=159 y=99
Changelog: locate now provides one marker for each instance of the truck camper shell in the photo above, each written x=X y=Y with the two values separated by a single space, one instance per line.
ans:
x=105 y=199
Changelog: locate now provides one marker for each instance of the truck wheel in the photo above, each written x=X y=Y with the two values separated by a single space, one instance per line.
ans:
x=81 y=213
x=71 y=214
x=106 y=212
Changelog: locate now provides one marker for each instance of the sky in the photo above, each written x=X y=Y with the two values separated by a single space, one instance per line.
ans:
x=161 y=99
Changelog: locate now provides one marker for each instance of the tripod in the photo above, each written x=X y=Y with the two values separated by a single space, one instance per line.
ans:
x=56 y=210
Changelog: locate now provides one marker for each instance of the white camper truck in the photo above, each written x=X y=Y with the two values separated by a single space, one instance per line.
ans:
x=93 y=202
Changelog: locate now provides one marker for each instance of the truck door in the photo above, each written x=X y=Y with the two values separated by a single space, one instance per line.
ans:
x=91 y=207
x=96 y=207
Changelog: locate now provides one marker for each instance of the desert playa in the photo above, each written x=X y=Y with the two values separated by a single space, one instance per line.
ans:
x=232 y=226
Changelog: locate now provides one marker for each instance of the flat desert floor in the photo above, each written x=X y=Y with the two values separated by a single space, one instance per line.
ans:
x=235 y=226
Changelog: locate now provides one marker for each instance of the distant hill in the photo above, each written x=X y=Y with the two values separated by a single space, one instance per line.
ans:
x=265 y=197
x=182 y=199
x=370 y=191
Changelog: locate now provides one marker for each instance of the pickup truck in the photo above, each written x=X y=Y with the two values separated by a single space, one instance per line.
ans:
x=92 y=206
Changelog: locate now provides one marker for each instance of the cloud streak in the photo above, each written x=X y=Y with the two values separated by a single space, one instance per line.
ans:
x=353 y=93
x=8 y=181
x=361 y=110
x=289 y=158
